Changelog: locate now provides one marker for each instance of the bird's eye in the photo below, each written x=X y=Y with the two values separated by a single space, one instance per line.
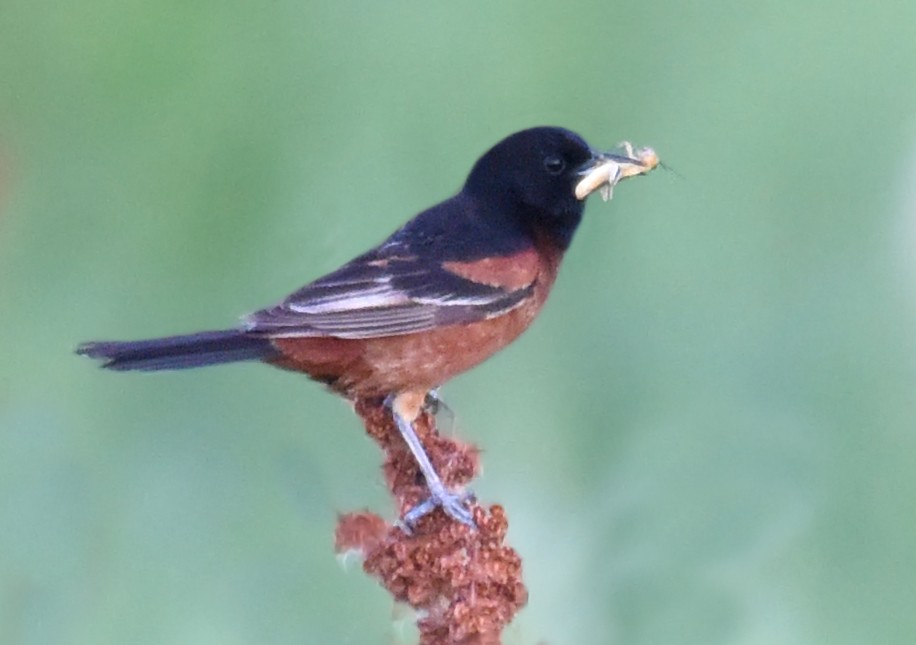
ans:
x=554 y=165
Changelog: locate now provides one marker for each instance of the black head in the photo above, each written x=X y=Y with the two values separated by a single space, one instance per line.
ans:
x=532 y=175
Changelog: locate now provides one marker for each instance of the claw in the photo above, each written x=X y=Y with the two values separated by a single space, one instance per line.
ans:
x=452 y=504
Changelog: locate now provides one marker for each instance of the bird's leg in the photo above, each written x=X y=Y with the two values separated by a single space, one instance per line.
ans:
x=453 y=504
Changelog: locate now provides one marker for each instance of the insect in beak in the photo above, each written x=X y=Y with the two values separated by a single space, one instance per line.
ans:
x=607 y=169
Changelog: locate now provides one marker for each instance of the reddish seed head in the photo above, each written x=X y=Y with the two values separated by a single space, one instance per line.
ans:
x=466 y=582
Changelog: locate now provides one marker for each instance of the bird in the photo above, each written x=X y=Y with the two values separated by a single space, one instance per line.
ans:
x=447 y=290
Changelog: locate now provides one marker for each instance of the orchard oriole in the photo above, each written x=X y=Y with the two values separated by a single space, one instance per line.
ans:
x=450 y=288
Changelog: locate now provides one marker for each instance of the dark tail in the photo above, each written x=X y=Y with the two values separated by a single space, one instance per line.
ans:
x=180 y=352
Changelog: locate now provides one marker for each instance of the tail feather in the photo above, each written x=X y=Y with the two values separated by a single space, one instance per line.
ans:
x=180 y=352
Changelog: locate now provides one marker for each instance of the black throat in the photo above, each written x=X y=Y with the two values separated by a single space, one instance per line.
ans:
x=558 y=228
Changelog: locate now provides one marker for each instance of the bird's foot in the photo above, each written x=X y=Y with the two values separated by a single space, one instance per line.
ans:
x=433 y=402
x=455 y=505
x=436 y=406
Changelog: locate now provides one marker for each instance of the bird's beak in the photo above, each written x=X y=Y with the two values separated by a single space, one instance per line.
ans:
x=607 y=169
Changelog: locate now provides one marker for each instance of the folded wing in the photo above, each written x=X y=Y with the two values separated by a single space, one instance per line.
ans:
x=377 y=295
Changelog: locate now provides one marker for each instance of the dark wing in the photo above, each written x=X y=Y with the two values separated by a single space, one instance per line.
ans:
x=382 y=294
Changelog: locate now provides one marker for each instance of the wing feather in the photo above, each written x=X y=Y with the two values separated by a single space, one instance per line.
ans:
x=376 y=296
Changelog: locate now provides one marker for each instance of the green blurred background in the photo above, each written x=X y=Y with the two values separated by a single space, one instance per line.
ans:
x=708 y=437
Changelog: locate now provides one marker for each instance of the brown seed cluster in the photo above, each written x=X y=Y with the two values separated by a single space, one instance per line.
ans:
x=466 y=584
